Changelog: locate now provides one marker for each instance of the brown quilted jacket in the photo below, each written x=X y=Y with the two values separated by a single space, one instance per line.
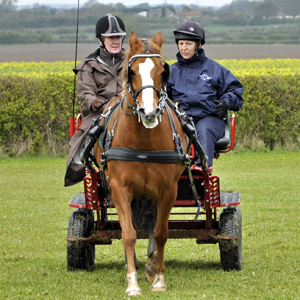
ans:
x=98 y=77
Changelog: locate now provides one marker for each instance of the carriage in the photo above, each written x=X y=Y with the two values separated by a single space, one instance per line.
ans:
x=85 y=231
x=193 y=215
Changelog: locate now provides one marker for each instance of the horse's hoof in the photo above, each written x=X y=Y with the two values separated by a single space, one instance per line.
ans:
x=159 y=284
x=137 y=292
x=133 y=288
x=159 y=289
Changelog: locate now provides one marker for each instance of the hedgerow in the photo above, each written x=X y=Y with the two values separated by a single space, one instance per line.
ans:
x=271 y=112
x=34 y=113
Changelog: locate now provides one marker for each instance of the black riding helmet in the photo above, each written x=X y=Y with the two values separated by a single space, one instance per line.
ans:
x=192 y=31
x=110 y=26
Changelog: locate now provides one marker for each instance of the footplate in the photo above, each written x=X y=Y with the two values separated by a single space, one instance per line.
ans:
x=78 y=200
x=230 y=198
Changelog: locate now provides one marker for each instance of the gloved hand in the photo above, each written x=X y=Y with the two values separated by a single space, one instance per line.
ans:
x=96 y=104
x=221 y=108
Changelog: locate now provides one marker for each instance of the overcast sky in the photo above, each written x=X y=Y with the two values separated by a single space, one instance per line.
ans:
x=130 y=2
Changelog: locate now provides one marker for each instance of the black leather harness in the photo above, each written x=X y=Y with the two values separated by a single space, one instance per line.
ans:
x=127 y=154
x=177 y=156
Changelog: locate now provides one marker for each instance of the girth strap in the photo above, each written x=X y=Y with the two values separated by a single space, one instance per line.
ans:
x=127 y=154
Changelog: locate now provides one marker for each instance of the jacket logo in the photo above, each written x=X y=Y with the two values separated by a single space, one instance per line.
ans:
x=205 y=77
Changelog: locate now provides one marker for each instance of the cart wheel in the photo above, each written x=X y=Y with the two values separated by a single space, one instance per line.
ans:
x=80 y=255
x=230 y=224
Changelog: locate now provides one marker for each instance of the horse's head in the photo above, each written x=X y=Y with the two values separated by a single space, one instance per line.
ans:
x=146 y=77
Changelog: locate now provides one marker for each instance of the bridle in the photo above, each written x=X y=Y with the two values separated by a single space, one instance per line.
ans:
x=162 y=95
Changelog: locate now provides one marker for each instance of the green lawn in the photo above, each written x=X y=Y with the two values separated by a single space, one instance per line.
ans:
x=33 y=229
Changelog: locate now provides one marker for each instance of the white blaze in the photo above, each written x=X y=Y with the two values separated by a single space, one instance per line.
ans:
x=147 y=94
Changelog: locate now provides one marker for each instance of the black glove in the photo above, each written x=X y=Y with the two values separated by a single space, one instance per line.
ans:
x=221 y=108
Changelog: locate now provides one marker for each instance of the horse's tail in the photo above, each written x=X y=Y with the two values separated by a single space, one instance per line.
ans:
x=144 y=213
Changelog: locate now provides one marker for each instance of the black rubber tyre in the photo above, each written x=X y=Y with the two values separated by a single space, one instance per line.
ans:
x=80 y=255
x=230 y=224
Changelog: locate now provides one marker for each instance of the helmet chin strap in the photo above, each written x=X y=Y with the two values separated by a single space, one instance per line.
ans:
x=102 y=43
x=197 y=49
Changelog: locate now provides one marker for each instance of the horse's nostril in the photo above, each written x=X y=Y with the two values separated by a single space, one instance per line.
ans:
x=142 y=111
x=150 y=117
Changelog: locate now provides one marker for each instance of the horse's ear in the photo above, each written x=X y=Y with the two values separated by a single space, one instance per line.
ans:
x=158 y=40
x=132 y=40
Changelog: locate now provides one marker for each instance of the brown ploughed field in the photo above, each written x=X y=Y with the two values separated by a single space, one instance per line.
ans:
x=66 y=52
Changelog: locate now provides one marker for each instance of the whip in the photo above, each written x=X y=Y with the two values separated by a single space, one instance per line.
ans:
x=72 y=119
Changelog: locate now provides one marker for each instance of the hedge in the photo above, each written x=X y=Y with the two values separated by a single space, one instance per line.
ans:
x=34 y=114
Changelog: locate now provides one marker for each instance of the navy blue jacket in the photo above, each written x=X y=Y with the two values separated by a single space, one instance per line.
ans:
x=197 y=82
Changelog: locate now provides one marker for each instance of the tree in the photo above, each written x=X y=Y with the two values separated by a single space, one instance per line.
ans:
x=91 y=3
x=266 y=9
x=8 y=5
x=291 y=7
x=120 y=7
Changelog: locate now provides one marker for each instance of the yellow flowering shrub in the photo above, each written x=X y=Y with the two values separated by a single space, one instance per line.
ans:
x=239 y=67
x=260 y=67
x=37 y=69
x=36 y=103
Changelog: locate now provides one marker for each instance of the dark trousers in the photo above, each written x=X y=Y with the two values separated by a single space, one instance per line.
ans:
x=209 y=130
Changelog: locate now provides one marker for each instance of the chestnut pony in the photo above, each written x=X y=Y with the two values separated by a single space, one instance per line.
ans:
x=139 y=156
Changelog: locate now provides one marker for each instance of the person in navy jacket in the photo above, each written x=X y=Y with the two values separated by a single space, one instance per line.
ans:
x=204 y=89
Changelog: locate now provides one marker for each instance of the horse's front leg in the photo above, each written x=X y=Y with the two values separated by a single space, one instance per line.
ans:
x=161 y=235
x=122 y=204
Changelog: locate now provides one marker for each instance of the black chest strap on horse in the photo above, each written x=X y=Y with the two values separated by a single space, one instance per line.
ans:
x=128 y=154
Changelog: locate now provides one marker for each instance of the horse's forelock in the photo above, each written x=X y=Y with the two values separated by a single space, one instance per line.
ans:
x=153 y=46
x=137 y=47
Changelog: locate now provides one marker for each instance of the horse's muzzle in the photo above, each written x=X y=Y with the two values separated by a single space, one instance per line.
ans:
x=149 y=119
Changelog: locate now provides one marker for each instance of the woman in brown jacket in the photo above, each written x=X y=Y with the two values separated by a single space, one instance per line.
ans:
x=98 y=79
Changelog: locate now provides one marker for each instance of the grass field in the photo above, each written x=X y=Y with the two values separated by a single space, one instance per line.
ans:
x=33 y=229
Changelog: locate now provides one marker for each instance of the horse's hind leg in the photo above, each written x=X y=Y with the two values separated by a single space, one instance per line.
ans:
x=152 y=254
x=128 y=237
